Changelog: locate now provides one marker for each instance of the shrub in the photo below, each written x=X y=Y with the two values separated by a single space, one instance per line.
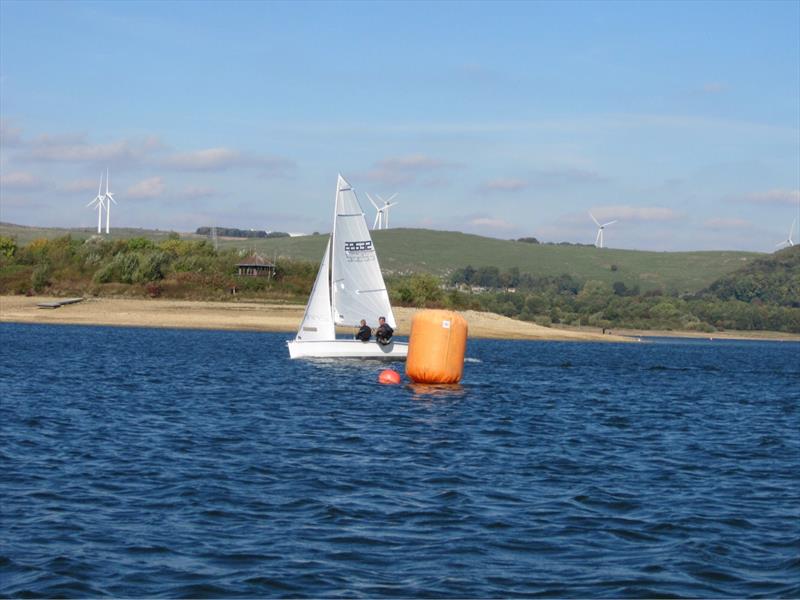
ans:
x=139 y=243
x=40 y=278
x=420 y=290
x=152 y=266
x=121 y=269
x=8 y=247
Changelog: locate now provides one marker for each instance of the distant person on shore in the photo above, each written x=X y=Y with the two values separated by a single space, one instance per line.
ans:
x=384 y=333
x=364 y=333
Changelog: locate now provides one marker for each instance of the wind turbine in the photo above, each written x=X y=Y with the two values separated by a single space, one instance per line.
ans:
x=383 y=211
x=378 y=215
x=598 y=241
x=99 y=202
x=110 y=197
x=787 y=242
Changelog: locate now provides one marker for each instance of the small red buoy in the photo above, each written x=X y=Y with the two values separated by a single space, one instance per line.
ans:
x=389 y=377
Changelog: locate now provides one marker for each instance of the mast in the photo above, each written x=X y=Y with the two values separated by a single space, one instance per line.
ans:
x=331 y=241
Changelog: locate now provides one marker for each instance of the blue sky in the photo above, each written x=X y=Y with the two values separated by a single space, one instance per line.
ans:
x=679 y=119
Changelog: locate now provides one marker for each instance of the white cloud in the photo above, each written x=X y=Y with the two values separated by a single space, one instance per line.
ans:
x=197 y=192
x=20 y=181
x=404 y=169
x=146 y=189
x=723 y=223
x=9 y=135
x=222 y=159
x=713 y=87
x=212 y=159
x=20 y=202
x=492 y=223
x=414 y=162
x=568 y=176
x=635 y=213
x=776 y=196
x=76 y=148
x=504 y=185
x=81 y=185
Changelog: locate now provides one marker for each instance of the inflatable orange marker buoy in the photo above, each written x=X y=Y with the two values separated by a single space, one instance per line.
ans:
x=389 y=377
x=436 y=347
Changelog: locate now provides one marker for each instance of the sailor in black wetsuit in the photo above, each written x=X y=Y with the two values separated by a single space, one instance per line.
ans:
x=364 y=333
x=383 y=334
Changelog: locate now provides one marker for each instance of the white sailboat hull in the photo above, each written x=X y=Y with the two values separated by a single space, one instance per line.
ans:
x=346 y=349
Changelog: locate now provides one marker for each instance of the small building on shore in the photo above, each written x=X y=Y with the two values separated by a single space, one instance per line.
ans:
x=256 y=265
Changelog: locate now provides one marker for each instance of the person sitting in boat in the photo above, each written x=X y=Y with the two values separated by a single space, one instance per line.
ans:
x=364 y=333
x=384 y=333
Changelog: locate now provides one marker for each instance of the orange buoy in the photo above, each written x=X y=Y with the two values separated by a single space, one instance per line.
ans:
x=389 y=377
x=436 y=347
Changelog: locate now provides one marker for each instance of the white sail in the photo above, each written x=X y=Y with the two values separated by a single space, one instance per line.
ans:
x=357 y=287
x=317 y=321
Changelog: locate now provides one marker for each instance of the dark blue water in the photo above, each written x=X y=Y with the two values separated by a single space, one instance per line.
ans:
x=166 y=463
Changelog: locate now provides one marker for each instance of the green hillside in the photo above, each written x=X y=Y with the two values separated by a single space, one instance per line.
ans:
x=404 y=251
x=24 y=235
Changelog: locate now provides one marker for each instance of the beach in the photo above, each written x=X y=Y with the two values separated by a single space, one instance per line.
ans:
x=262 y=316
x=249 y=316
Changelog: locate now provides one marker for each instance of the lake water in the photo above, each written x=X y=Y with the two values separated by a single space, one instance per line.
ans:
x=176 y=463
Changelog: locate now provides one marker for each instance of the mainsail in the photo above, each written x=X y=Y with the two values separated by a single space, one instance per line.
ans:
x=317 y=321
x=357 y=287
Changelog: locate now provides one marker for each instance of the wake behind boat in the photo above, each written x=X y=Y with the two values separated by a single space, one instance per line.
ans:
x=349 y=287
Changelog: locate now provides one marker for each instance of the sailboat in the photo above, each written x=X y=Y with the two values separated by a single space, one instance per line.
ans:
x=349 y=287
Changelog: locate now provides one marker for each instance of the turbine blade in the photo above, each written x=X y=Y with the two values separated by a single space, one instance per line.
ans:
x=595 y=220
x=392 y=197
x=609 y=223
x=373 y=202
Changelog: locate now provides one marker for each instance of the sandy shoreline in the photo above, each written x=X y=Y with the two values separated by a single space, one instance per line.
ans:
x=259 y=316
x=248 y=316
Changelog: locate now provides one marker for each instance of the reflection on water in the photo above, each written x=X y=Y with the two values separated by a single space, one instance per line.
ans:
x=431 y=391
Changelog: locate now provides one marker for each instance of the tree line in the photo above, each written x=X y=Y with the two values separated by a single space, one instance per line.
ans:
x=241 y=233
x=763 y=295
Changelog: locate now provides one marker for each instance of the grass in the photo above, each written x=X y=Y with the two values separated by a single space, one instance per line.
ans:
x=403 y=251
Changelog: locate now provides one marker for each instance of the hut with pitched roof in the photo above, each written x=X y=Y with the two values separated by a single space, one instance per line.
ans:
x=256 y=265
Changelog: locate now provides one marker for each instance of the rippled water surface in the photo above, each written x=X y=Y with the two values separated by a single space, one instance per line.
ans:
x=174 y=463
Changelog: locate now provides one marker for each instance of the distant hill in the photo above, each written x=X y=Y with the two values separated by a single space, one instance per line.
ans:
x=25 y=235
x=772 y=279
x=404 y=251
x=239 y=233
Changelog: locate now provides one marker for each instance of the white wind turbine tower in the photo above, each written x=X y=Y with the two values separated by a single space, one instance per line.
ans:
x=382 y=216
x=110 y=197
x=99 y=202
x=788 y=241
x=598 y=241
